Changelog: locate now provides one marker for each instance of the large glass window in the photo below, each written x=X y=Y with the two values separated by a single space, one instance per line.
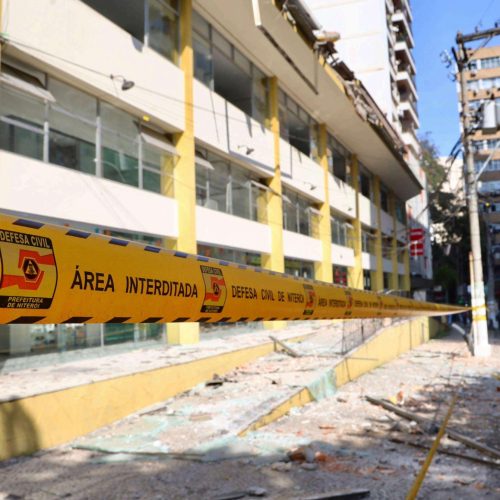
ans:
x=63 y=126
x=367 y=242
x=22 y=119
x=222 y=185
x=340 y=231
x=384 y=199
x=300 y=268
x=298 y=213
x=400 y=209
x=162 y=27
x=231 y=255
x=297 y=127
x=73 y=120
x=120 y=146
x=227 y=71
x=365 y=181
x=339 y=160
x=153 y=22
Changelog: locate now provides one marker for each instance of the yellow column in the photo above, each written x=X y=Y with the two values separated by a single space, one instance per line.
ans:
x=355 y=278
x=406 y=279
x=377 y=275
x=323 y=270
x=184 y=183
x=394 y=253
x=275 y=261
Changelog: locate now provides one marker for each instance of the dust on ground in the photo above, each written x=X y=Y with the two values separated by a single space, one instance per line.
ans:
x=341 y=442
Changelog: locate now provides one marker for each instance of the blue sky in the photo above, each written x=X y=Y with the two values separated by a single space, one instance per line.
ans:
x=435 y=24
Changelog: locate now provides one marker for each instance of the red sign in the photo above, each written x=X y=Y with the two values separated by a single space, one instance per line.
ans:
x=417 y=234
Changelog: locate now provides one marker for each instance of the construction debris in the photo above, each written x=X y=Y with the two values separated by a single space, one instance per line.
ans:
x=285 y=347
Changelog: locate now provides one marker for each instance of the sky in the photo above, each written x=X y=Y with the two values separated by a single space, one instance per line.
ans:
x=435 y=24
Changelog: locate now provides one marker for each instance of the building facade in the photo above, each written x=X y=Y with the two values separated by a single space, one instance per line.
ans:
x=483 y=84
x=210 y=127
x=376 y=41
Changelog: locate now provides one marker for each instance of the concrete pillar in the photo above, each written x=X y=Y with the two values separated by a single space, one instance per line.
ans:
x=355 y=277
x=184 y=179
x=323 y=270
x=394 y=284
x=378 y=274
x=274 y=261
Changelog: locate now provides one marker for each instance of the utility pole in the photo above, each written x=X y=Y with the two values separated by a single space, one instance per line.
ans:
x=480 y=343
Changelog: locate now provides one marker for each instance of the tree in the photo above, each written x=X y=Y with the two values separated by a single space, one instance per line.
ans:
x=450 y=225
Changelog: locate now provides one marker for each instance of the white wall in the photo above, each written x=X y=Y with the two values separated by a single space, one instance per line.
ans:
x=33 y=187
x=342 y=196
x=342 y=256
x=299 y=246
x=223 y=126
x=301 y=173
x=368 y=261
x=221 y=229
x=367 y=212
x=387 y=265
x=65 y=31
x=387 y=225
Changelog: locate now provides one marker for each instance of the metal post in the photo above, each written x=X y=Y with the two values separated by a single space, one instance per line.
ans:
x=481 y=346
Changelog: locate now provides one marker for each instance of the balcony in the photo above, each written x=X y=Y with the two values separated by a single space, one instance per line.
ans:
x=222 y=229
x=342 y=196
x=299 y=246
x=301 y=172
x=411 y=141
x=407 y=81
x=387 y=265
x=404 y=54
x=220 y=124
x=408 y=108
x=367 y=212
x=399 y=18
x=133 y=209
x=387 y=224
x=55 y=36
x=342 y=256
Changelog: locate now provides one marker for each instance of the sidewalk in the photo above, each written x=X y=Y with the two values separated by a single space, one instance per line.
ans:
x=347 y=443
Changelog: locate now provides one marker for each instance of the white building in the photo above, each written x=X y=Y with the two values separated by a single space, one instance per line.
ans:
x=212 y=127
x=376 y=42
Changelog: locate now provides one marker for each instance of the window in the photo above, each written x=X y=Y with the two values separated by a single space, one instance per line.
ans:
x=340 y=231
x=367 y=242
x=387 y=281
x=387 y=250
x=297 y=127
x=22 y=119
x=339 y=160
x=153 y=22
x=400 y=209
x=490 y=62
x=73 y=128
x=226 y=187
x=367 y=279
x=297 y=213
x=300 y=268
x=384 y=199
x=231 y=255
x=162 y=27
x=226 y=70
x=66 y=129
x=365 y=182
x=340 y=275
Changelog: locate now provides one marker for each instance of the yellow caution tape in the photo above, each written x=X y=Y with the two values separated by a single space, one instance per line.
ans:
x=51 y=274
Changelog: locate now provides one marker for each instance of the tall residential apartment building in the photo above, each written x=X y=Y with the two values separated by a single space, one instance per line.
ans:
x=483 y=84
x=209 y=126
x=376 y=42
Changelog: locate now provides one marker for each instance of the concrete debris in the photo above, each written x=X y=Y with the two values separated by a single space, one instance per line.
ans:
x=197 y=445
